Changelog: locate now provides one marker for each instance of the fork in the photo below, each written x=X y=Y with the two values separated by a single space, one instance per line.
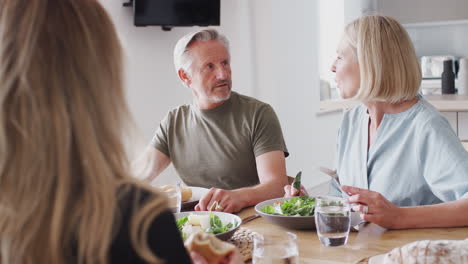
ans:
x=334 y=177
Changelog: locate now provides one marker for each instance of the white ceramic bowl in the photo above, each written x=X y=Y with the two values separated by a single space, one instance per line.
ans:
x=295 y=222
x=289 y=222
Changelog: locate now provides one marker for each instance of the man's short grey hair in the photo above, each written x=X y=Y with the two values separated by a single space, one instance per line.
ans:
x=182 y=58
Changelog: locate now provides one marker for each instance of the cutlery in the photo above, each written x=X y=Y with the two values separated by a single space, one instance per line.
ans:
x=331 y=173
x=367 y=231
x=334 y=177
x=250 y=218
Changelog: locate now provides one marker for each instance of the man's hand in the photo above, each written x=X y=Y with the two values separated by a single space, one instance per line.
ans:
x=375 y=208
x=290 y=191
x=221 y=200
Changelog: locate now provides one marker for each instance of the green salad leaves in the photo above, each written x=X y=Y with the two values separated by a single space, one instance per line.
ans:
x=181 y=222
x=297 y=206
x=216 y=225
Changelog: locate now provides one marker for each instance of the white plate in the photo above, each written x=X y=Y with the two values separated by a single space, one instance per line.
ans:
x=377 y=259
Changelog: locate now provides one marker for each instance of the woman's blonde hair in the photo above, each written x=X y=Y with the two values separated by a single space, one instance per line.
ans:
x=64 y=170
x=388 y=63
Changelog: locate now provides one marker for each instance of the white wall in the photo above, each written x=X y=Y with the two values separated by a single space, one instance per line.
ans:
x=440 y=39
x=286 y=50
x=274 y=49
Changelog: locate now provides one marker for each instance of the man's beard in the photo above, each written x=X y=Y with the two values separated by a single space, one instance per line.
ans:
x=220 y=98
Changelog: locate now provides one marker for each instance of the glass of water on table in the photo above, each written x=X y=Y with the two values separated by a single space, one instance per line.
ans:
x=332 y=220
x=174 y=197
x=278 y=248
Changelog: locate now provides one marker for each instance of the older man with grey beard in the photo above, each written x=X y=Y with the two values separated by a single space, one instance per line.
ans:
x=225 y=141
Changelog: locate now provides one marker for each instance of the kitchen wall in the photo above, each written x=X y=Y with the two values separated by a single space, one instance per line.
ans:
x=436 y=27
x=274 y=58
x=450 y=38
x=286 y=55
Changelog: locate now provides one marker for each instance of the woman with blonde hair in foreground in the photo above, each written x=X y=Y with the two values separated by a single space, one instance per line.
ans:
x=397 y=151
x=66 y=195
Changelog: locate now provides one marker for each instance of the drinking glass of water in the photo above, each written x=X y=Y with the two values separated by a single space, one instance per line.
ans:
x=279 y=248
x=332 y=220
x=174 y=197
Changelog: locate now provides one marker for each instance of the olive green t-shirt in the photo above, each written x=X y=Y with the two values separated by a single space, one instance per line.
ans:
x=218 y=147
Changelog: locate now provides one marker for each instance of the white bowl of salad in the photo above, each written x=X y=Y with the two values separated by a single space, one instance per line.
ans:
x=291 y=213
x=223 y=225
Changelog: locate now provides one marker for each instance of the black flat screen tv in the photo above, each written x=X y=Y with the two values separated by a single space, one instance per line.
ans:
x=170 y=13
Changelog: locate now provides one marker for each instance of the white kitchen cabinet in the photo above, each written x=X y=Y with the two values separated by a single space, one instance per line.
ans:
x=463 y=125
x=452 y=118
x=421 y=11
x=459 y=123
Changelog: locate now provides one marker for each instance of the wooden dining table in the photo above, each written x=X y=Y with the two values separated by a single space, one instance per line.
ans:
x=360 y=245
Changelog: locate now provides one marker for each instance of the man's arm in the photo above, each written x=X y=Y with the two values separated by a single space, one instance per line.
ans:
x=158 y=163
x=271 y=169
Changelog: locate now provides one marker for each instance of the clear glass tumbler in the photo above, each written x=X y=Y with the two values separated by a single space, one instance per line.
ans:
x=277 y=248
x=332 y=220
x=174 y=198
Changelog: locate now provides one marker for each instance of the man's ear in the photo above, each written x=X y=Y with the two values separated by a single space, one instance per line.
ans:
x=184 y=77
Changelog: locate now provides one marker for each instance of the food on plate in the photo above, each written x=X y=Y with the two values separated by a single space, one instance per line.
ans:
x=430 y=251
x=186 y=193
x=297 y=206
x=209 y=247
x=209 y=223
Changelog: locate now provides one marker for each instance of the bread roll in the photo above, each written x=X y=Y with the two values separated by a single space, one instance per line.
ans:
x=209 y=247
x=186 y=193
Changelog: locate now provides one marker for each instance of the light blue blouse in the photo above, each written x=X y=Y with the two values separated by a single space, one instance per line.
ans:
x=416 y=158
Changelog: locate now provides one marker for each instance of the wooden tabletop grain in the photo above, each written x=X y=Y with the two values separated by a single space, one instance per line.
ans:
x=359 y=246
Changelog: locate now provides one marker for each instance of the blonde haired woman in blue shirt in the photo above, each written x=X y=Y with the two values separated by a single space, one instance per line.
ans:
x=397 y=157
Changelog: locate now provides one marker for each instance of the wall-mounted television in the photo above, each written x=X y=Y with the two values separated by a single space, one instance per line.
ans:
x=174 y=13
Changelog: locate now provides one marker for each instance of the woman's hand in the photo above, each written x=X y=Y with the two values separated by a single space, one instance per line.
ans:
x=233 y=258
x=290 y=191
x=374 y=207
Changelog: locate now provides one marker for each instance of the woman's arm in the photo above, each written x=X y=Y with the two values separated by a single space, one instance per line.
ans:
x=449 y=214
x=384 y=213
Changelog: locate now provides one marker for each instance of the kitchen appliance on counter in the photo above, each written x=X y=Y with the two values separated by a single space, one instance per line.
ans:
x=433 y=66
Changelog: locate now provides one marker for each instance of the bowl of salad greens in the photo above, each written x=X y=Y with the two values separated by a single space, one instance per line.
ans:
x=222 y=225
x=291 y=213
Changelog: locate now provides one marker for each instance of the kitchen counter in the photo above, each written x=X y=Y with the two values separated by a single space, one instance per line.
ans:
x=449 y=102
x=444 y=103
